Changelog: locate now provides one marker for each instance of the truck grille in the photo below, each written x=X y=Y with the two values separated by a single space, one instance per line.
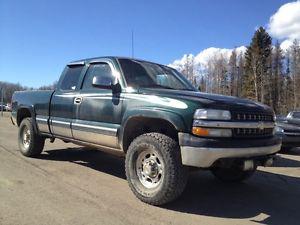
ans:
x=252 y=132
x=252 y=117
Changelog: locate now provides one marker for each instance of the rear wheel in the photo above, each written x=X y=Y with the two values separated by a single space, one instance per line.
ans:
x=232 y=174
x=154 y=170
x=30 y=143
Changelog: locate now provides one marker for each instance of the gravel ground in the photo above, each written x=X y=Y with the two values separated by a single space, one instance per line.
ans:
x=69 y=184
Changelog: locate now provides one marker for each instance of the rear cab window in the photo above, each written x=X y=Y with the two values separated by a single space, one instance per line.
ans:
x=70 y=80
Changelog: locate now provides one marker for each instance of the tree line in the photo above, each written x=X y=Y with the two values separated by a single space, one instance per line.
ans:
x=10 y=88
x=264 y=73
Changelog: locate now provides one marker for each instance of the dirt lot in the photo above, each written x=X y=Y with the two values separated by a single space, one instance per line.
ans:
x=73 y=185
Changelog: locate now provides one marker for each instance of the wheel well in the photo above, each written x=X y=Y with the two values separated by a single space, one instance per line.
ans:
x=141 y=125
x=22 y=113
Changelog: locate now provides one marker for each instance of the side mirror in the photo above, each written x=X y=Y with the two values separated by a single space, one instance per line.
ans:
x=102 y=82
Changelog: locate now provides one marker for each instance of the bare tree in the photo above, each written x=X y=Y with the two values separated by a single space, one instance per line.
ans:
x=240 y=74
x=295 y=72
x=188 y=68
x=233 y=74
x=277 y=82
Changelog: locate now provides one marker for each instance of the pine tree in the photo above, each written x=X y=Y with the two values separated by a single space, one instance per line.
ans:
x=249 y=85
x=258 y=67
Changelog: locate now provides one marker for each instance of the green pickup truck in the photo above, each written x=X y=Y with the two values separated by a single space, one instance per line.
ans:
x=154 y=117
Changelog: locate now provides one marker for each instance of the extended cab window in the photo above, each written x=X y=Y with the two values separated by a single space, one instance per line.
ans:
x=71 y=78
x=99 y=69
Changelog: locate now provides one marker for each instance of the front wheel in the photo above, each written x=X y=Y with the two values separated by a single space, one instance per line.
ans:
x=30 y=143
x=154 y=170
x=232 y=174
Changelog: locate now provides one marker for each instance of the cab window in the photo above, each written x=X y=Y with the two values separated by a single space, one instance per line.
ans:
x=71 y=79
x=99 y=69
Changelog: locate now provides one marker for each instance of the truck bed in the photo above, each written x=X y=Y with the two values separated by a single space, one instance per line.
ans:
x=36 y=102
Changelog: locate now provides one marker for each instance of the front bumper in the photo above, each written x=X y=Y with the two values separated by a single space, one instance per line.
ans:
x=203 y=152
x=291 y=139
x=290 y=134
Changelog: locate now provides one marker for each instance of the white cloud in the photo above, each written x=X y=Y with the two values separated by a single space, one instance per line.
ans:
x=180 y=62
x=202 y=58
x=286 y=44
x=285 y=23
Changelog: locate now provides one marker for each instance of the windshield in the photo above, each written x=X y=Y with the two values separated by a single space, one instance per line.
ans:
x=296 y=115
x=151 y=75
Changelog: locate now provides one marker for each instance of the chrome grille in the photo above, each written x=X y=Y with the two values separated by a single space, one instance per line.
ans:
x=252 y=132
x=252 y=117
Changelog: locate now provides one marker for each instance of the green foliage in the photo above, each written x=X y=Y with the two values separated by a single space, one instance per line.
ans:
x=258 y=64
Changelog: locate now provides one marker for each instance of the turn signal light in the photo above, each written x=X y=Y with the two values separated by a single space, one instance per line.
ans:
x=200 y=131
x=211 y=132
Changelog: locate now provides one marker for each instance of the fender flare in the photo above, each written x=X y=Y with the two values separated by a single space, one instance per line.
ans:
x=173 y=118
x=32 y=113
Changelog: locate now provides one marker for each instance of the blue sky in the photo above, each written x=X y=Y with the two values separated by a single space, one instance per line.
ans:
x=38 y=37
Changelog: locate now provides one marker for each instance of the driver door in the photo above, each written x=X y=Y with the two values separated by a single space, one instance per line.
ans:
x=98 y=113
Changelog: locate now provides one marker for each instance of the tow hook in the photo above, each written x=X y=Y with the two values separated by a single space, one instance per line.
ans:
x=268 y=162
x=248 y=165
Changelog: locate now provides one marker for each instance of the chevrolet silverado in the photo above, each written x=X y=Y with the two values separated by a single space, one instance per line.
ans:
x=153 y=116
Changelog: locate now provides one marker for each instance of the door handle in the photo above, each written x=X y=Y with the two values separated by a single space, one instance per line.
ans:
x=77 y=100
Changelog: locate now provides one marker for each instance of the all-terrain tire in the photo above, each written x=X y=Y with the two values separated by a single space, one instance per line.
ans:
x=30 y=143
x=174 y=176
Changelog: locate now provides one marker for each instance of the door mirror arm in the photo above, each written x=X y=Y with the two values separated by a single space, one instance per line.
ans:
x=116 y=88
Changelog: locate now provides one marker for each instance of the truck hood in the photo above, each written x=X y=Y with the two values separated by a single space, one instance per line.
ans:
x=288 y=126
x=291 y=121
x=210 y=100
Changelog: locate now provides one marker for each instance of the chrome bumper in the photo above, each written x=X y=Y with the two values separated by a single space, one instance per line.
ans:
x=204 y=157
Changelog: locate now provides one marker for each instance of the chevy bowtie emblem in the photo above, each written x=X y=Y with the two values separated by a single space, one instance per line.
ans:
x=261 y=125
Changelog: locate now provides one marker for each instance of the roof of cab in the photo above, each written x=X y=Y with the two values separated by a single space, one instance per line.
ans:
x=87 y=60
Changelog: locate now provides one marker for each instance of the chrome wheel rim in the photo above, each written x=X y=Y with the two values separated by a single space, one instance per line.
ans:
x=150 y=168
x=26 y=137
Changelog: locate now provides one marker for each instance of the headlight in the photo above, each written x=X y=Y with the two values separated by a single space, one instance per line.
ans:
x=212 y=114
x=211 y=132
